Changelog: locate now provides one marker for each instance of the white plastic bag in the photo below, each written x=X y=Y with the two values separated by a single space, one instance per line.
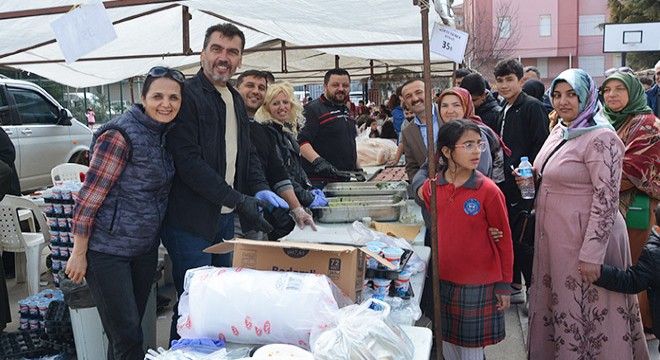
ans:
x=256 y=307
x=360 y=333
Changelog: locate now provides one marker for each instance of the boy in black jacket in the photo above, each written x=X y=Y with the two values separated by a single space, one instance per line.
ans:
x=645 y=275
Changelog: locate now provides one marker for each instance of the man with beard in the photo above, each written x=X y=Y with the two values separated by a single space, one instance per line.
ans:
x=327 y=142
x=252 y=85
x=414 y=135
x=216 y=164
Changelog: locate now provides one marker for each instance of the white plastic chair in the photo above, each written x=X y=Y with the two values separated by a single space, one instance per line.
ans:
x=12 y=239
x=67 y=171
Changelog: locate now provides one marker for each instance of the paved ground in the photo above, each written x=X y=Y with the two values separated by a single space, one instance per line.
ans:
x=512 y=348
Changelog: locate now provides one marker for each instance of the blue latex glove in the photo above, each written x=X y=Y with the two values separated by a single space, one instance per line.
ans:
x=318 y=192
x=272 y=198
x=319 y=200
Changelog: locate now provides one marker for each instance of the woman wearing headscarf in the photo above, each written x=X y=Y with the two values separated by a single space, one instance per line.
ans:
x=639 y=129
x=456 y=103
x=578 y=228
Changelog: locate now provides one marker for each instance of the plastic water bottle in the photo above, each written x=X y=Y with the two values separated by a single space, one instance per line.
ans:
x=527 y=189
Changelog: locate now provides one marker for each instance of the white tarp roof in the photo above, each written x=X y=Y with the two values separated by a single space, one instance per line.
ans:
x=264 y=22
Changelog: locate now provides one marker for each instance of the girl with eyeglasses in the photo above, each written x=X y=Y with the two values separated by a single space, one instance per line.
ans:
x=475 y=270
x=120 y=208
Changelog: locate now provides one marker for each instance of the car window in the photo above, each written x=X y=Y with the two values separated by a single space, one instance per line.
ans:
x=34 y=108
x=5 y=117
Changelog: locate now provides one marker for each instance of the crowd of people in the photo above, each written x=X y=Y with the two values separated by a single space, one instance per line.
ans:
x=250 y=160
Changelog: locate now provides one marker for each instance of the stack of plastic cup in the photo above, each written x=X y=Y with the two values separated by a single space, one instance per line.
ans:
x=402 y=283
x=393 y=255
x=382 y=286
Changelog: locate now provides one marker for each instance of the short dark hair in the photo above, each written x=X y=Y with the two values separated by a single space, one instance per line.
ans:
x=335 y=71
x=398 y=90
x=534 y=69
x=474 y=83
x=409 y=82
x=254 y=73
x=227 y=30
x=450 y=132
x=509 y=66
x=646 y=81
x=461 y=73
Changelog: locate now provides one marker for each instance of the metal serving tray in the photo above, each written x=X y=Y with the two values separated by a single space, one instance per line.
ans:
x=375 y=185
x=348 y=213
x=403 y=193
x=363 y=200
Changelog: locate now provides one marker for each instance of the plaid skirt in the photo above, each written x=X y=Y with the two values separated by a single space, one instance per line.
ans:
x=469 y=315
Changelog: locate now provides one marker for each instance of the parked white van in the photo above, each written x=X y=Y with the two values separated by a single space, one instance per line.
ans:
x=44 y=133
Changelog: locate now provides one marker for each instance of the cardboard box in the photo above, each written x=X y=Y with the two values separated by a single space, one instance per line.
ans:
x=344 y=264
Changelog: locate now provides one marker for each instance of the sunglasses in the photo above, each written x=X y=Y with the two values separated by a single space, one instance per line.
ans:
x=621 y=70
x=161 y=71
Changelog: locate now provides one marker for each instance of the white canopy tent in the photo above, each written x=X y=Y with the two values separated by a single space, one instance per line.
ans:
x=151 y=32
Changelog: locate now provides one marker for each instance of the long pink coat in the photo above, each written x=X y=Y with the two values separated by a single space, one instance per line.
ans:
x=578 y=219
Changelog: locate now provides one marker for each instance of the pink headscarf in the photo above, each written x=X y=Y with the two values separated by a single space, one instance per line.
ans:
x=468 y=109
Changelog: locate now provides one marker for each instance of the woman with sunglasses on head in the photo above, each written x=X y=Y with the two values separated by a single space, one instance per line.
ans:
x=120 y=208
x=475 y=269
x=626 y=109
x=578 y=228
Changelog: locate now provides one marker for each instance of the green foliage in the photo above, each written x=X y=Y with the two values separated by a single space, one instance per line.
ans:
x=634 y=11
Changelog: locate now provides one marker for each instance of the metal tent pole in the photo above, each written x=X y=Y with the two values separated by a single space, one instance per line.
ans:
x=437 y=325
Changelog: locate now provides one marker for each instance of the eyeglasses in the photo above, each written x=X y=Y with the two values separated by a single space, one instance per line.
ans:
x=470 y=146
x=161 y=71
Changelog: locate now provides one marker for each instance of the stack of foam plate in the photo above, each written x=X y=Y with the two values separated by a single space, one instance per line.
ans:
x=282 y=351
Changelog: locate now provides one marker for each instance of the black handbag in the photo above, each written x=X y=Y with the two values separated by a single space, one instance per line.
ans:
x=524 y=221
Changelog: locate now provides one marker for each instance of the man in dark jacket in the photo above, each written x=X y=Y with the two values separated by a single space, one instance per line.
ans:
x=9 y=184
x=523 y=126
x=216 y=164
x=653 y=94
x=485 y=104
x=645 y=275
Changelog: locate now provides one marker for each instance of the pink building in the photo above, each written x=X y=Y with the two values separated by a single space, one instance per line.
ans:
x=552 y=35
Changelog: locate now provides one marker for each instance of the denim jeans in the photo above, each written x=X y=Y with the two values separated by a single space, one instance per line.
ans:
x=186 y=251
x=120 y=287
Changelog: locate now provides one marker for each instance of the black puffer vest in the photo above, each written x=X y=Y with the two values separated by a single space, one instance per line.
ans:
x=129 y=219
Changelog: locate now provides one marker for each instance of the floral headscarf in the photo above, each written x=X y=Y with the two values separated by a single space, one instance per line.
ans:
x=636 y=100
x=590 y=113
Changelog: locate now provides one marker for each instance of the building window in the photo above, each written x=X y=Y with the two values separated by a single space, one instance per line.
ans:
x=542 y=65
x=617 y=61
x=544 y=25
x=593 y=65
x=589 y=25
x=504 y=27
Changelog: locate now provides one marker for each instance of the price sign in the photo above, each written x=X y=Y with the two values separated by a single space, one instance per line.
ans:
x=83 y=30
x=449 y=42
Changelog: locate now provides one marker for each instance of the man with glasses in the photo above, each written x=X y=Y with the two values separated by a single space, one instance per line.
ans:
x=653 y=94
x=216 y=164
